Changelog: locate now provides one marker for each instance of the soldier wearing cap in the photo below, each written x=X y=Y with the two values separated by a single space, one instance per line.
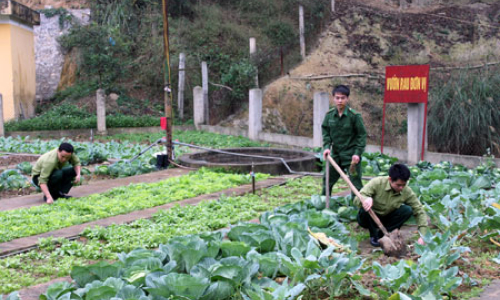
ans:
x=344 y=138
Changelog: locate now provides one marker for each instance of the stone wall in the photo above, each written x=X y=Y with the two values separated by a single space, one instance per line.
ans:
x=48 y=53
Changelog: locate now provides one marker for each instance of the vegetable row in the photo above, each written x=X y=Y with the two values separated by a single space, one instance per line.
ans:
x=67 y=212
x=56 y=257
x=254 y=256
x=276 y=259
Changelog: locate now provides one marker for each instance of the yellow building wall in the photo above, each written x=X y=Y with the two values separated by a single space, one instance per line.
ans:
x=23 y=70
x=6 y=79
x=17 y=70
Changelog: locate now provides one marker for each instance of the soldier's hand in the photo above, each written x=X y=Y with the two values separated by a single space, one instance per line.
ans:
x=355 y=159
x=367 y=203
x=326 y=153
x=50 y=200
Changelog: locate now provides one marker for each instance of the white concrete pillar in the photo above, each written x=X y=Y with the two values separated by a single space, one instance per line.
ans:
x=101 y=111
x=333 y=5
x=301 y=32
x=253 y=51
x=182 y=83
x=416 y=113
x=204 y=84
x=321 y=106
x=2 y=129
x=255 y=114
x=198 y=107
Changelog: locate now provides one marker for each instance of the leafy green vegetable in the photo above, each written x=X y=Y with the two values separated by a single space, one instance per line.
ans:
x=29 y=221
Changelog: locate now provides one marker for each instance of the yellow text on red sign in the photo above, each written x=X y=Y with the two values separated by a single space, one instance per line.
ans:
x=406 y=83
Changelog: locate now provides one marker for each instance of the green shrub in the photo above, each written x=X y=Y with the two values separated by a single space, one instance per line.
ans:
x=241 y=78
x=463 y=115
x=74 y=122
x=105 y=51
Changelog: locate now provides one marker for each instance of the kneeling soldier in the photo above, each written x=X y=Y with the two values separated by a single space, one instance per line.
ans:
x=53 y=175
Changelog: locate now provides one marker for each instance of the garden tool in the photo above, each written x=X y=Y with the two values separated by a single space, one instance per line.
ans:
x=352 y=169
x=392 y=243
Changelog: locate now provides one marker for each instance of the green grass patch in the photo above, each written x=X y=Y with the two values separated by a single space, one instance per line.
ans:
x=200 y=138
x=45 y=122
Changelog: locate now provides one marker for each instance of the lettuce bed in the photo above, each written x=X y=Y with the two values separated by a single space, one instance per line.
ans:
x=67 y=212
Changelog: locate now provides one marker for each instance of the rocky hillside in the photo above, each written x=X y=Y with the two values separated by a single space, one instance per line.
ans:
x=68 y=4
x=364 y=37
x=358 y=40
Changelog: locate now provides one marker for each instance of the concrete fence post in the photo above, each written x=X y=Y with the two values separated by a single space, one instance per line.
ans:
x=204 y=78
x=321 y=106
x=255 y=114
x=416 y=113
x=101 y=111
x=301 y=32
x=2 y=129
x=253 y=51
x=198 y=107
x=333 y=5
x=182 y=83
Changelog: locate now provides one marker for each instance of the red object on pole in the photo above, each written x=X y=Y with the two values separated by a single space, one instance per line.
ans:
x=163 y=123
x=406 y=84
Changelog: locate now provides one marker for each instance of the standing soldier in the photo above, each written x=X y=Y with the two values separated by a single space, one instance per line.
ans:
x=344 y=138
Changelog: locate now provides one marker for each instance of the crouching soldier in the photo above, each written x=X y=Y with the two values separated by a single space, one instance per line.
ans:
x=53 y=174
x=392 y=201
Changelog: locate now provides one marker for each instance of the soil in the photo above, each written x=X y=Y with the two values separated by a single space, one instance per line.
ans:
x=14 y=159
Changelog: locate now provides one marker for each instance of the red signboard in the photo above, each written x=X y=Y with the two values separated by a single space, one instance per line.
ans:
x=406 y=84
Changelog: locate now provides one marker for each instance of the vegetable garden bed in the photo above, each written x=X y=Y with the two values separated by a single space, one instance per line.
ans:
x=55 y=260
x=67 y=212
x=461 y=204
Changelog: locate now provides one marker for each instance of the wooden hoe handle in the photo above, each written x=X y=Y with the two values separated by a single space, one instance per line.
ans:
x=357 y=193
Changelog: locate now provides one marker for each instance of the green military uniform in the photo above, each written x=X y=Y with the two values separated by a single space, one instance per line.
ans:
x=393 y=209
x=345 y=136
x=57 y=176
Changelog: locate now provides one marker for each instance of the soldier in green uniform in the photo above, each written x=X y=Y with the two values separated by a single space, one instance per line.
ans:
x=53 y=174
x=344 y=137
x=392 y=201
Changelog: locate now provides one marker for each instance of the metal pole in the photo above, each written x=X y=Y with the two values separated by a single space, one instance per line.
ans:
x=168 y=99
x=253 y=180
x=327 y=184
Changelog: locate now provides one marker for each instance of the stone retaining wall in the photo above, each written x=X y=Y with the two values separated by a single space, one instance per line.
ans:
x=49 y=57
